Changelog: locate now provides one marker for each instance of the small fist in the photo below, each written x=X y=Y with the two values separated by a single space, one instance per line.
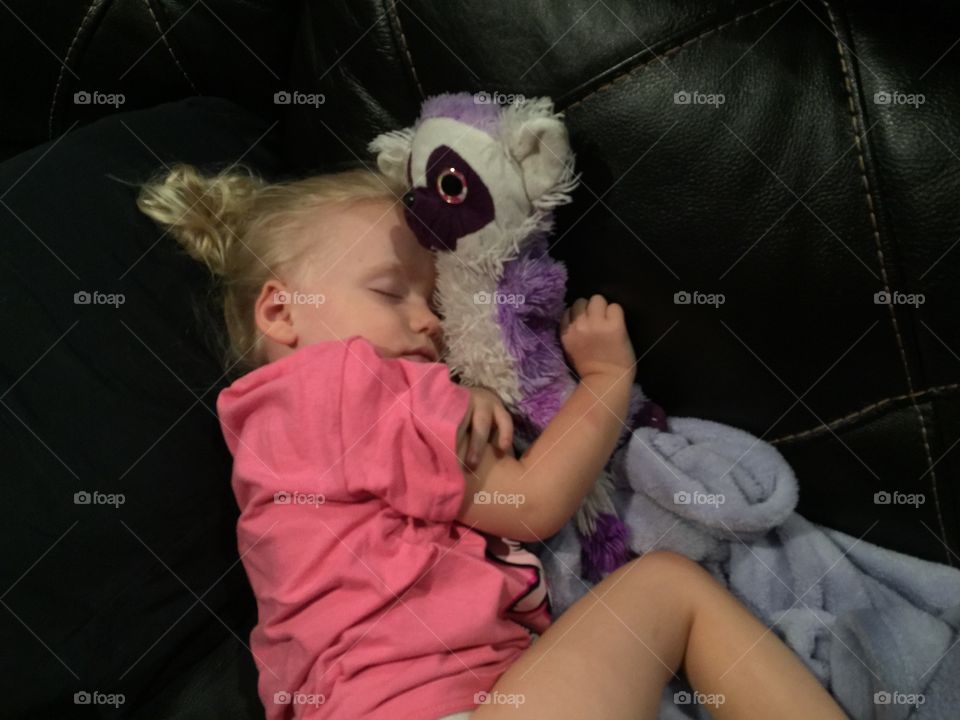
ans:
x=594 y=336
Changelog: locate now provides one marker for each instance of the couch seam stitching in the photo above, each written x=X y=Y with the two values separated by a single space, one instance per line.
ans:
x=395 y=17
x=66 y=61
x=672 y=51
x=837 y=422
x=167 y=45
x=855 y=121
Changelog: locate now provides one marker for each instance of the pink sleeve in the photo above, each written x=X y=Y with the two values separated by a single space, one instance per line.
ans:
x=398 y=426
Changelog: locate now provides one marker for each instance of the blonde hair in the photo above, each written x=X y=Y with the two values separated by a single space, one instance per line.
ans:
x=245 y=230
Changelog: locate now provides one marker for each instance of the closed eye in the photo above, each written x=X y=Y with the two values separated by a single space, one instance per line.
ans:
x=388 y=294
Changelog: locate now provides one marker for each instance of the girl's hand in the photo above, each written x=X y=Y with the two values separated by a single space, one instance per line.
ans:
x=484 y=414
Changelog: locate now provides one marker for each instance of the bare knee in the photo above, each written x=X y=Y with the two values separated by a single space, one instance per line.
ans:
x=669 y=564
x=670 y=575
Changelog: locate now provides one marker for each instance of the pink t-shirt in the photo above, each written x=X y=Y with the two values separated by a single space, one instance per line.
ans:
x=373 y=602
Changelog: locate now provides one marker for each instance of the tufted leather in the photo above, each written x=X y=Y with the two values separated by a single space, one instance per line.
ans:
x=798 y=198
x=149 y=51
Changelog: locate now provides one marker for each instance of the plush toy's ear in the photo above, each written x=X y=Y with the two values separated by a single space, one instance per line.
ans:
x=537 y=139
x=392 y=150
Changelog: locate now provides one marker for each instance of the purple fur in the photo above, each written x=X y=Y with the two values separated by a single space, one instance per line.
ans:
x=464 y=108
x=605 y=550
x=530 y=334
x=530 y=329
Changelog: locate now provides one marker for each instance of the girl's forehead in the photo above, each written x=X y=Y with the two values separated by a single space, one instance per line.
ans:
x=391 y=248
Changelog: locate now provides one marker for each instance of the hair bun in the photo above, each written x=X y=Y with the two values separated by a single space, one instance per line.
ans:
x=205 y=213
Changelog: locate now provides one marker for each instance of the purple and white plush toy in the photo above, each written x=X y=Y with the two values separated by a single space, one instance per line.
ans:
x=485 y=179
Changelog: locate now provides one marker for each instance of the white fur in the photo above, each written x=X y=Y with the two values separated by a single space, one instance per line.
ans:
x=475 y=347
x=392 y=149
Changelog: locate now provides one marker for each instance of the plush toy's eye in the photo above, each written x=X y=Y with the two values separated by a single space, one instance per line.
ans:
x=452 y=186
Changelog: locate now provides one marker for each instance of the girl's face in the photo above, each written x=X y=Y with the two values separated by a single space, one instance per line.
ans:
x=369 y=276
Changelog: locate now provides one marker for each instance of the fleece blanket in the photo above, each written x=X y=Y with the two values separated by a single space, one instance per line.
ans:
x=879 y=629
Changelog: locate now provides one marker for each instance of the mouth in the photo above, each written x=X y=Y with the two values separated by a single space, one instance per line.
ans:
x=421 y=355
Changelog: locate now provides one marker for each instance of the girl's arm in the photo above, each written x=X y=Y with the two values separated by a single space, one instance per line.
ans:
x=531 y=498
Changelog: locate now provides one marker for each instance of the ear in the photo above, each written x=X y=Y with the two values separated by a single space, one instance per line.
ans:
x=393 y=150
x=272 y=313
x=542 y=148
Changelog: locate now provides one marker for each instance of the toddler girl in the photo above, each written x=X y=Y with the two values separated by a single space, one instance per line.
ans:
x=364 y=520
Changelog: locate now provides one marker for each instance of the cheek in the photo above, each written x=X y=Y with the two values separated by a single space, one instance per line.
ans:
x=366 y=314
x=314 y=322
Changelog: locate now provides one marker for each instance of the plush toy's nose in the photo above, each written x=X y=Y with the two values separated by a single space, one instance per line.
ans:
x=409 y=199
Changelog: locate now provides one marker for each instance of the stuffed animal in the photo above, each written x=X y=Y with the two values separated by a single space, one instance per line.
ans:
x=485 y=179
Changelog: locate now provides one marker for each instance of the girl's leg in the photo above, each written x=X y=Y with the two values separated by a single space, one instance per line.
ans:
x=610 y=655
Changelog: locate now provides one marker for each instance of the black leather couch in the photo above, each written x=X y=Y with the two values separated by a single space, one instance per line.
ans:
x=799 y=160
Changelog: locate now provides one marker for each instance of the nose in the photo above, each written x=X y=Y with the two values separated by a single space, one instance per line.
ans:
x=409 y=199
x=429 y=323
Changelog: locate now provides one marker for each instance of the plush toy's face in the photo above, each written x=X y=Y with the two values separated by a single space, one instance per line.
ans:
x=457 y=193
x=453 y=201
x=476 y=185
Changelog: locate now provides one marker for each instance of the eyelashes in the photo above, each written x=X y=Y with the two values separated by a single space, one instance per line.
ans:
x=393 y=296
x=398 y=298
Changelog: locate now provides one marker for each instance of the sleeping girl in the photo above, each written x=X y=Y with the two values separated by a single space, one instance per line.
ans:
x=382 y=508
